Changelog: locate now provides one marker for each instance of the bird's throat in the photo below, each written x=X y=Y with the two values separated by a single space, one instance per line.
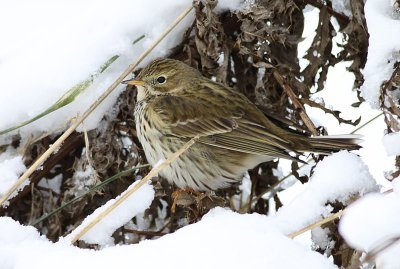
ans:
x=142 y=93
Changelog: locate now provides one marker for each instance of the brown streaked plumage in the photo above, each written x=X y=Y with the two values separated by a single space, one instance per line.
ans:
x=176 y=103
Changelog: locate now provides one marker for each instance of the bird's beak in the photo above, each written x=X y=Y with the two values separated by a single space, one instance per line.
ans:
x=133 y=82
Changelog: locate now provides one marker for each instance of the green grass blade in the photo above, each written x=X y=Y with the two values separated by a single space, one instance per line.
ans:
x=71 y=94
x=98 y=186
x=68 y=97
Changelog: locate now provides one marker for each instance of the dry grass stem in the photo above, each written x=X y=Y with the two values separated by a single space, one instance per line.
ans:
x=121 y=199
x=317 y=224
x=79 y=120
x=288 y=90
x=323 y=221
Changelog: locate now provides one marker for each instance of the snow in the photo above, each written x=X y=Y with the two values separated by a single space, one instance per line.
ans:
x=224 y=5
x=101 y=233
x=215 y=236
x=63 y=44
x=392 y=143
x=221 y=233
x=337 y=178
x=211 y=243
x=383 y=51
x=369 y=214
x=53 y=183
x=342 y=6
x=372 y=220
x=67 y=41
x=11 y=166
x=321 y=237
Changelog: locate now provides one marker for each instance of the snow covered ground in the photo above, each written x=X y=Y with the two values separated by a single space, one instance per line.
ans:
x=53 y=45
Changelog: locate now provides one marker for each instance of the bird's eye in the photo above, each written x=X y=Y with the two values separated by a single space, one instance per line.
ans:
x=161 y=79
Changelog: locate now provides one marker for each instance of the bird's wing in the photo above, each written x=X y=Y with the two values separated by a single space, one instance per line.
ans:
x=222 y=119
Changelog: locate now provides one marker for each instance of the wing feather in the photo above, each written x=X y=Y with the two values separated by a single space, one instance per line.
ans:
x=233 y=125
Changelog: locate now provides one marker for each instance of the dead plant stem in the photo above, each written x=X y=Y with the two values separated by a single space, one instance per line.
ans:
x=129 y=192
x=288 y=90
x=79 y=120
x=325 y=220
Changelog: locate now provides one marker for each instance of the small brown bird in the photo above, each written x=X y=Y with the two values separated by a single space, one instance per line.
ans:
x=176 y=103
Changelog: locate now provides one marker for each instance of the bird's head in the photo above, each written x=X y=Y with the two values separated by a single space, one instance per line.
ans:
x=164 y=76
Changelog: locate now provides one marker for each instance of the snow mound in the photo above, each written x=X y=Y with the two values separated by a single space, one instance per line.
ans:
x=337 y=178
x=222 y=239
x=373 y=221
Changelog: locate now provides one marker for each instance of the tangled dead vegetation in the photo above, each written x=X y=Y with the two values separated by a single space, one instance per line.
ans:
x=245 y=50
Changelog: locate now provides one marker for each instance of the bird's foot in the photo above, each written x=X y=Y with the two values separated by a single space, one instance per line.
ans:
x=183 y=197
x=198 y=202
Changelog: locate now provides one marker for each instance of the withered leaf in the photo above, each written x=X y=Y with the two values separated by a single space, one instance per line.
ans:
x=335 y=113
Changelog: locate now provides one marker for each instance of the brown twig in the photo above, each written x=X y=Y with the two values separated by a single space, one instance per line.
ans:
x=145 y=233
x=288 y=90
x=69 y=146
x=323 y=221
x=132 y=190
x=317 y=224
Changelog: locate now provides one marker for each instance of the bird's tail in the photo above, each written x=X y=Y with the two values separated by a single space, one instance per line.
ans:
x=332 y=143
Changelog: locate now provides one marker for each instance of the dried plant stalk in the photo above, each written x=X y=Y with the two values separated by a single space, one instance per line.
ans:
x=121 y=199
x=307 y=121
x=323 y=221
x=317 y=224
x=79 y=120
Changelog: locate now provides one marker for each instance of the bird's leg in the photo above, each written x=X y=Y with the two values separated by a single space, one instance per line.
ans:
x=184 y=197
x=197 y=202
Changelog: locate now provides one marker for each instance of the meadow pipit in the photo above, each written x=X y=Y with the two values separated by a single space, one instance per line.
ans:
x=176 y=103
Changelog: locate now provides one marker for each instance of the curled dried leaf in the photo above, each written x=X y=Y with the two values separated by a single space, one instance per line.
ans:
x=335 y=113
